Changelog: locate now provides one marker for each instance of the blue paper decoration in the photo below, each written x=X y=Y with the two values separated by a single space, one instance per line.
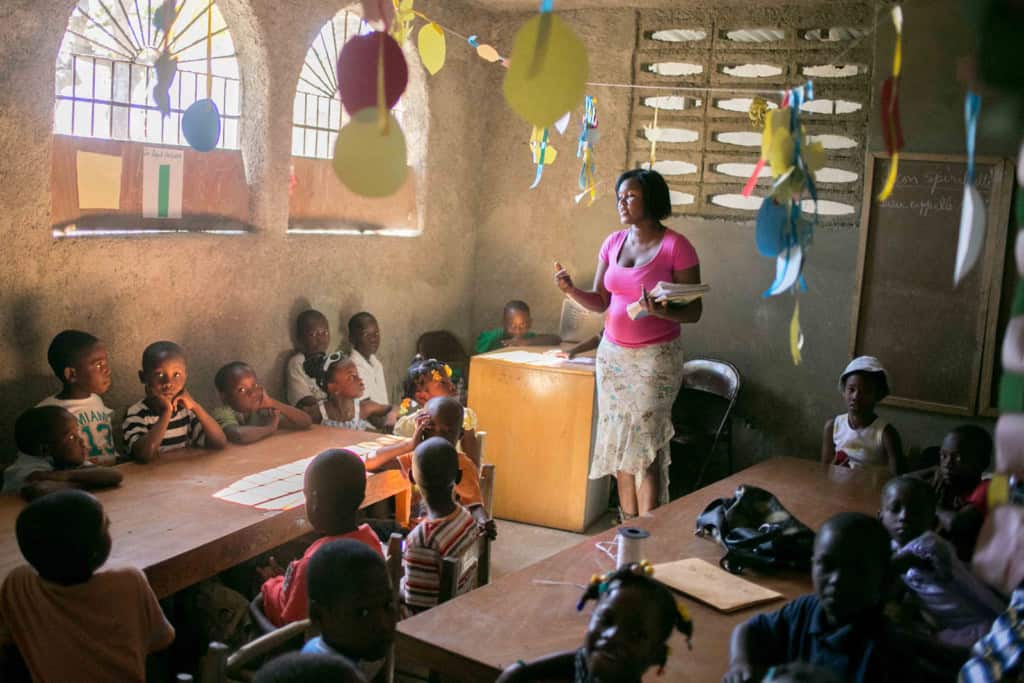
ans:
x=201 y=125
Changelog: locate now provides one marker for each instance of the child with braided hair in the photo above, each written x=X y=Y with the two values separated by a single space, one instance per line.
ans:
x=627 y=633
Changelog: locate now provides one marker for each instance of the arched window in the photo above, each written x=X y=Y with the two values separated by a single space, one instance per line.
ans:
x=106 y=70
x=317 y=112
x=318 y=202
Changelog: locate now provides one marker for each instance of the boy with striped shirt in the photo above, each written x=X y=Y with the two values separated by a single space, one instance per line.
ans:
x=168 y=418
x=449 y=530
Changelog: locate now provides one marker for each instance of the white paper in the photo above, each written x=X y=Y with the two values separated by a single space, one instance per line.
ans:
x=972 y=233
x=162 y=173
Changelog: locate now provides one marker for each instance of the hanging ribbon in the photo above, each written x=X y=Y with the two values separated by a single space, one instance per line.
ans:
x=892 y=131
x=972 y=210
x=543 y=153
x=547 y=5
x=382 y=102
x=796 y=335
x=654 y=138
x=209 y=51
x=585 y=151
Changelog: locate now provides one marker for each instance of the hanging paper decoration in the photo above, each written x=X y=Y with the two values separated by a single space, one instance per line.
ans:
x=652 y=135
x=364 y=62
x=547 y=73
x=892 y=131
x=166 y=64
x=432 y=47
x=402 y=25
x=972 y=211
x=757 y=112
x=585 y=151
x=486 y=52
x=368 y=160
x=796 y=336
x=758 y=115
x=379 y=14
x=201 y=122
x=562 y=124
x=543 y=153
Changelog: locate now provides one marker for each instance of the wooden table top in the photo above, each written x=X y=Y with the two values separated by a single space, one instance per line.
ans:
x=473 y=637
x=165 y=520
x=521 y=355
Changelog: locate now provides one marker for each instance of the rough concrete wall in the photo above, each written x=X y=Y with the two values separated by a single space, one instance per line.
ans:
x=784 y=407
x=223 y=298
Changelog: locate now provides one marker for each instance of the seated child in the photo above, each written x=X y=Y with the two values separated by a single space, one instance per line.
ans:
x=515 y=331
x=249 y=413
x=364 y=334
x=69 y=621
x=427 y=379
x=957 y=606
x=52 y=456
x=335 y=485
x=337 y=376
x=168 y=418
x=80 y=362
x=352 y=605
x=448 y=531
x=314 y=337
x=628 y=633
x=999 y=655
x=442 y=416
x=296 y=667
x=841 y=626
x=859 y=438
x=965 y=454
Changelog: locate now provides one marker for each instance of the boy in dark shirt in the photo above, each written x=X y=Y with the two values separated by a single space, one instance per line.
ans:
x=840 y=627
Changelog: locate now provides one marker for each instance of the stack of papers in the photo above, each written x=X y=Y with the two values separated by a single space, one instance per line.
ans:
x=670 y=292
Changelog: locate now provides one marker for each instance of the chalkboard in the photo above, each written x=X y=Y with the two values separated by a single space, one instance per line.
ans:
x=932 y=337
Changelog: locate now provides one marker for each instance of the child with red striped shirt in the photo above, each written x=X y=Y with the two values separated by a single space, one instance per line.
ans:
x=449 y=530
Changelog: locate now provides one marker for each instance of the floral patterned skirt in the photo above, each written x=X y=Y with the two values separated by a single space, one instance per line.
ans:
x=636 y=388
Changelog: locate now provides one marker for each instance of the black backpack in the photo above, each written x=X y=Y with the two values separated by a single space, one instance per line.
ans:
x=756 y=531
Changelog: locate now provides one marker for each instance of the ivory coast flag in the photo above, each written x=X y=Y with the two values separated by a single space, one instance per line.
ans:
x=161 y=182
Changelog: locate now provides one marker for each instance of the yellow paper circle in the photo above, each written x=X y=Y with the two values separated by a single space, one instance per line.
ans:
x=548 y=71
x=432 y=47
x=370 y=162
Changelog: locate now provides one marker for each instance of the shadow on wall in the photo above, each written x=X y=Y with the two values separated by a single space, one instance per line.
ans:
x=24 y=323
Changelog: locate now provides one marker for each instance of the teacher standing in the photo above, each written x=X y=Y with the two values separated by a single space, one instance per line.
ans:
x=639 y=362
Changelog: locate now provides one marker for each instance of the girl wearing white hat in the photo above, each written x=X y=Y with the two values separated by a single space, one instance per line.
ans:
x=859 y=437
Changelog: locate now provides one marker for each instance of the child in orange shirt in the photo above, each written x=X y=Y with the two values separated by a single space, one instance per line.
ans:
x=335 y=485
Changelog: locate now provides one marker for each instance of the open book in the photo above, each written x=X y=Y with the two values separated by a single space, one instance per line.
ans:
x=671 y=292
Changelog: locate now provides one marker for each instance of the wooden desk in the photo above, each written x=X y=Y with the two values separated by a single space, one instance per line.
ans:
x=165 y=521
x=540 y=433
x=475 y=636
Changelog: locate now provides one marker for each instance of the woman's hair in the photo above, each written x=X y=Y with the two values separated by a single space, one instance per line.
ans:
x=671 y=615
x=319 y=366
x=420 y=373
x=657 y=202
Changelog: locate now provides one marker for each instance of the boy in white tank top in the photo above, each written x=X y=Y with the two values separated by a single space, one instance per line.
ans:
x=860 y=438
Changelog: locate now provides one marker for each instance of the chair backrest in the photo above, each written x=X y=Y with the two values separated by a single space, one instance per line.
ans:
x=487 y=487
x=470 y=570
x=481 y=441
x=716 y=377
x=576 y=323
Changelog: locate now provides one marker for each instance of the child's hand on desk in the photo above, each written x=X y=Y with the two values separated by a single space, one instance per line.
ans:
x=271 y=570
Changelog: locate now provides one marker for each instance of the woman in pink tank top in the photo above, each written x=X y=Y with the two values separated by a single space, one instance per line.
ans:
x=639 y=362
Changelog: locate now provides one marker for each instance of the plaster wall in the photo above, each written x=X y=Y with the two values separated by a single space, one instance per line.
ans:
x=783 y=408
x=223 y=298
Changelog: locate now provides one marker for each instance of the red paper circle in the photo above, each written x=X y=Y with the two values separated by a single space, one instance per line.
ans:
x=357 y=71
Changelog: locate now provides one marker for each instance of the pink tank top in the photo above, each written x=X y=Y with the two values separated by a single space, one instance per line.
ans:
x=675 y=253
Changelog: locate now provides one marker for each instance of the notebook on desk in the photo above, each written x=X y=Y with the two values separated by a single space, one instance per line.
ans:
x=712 y=585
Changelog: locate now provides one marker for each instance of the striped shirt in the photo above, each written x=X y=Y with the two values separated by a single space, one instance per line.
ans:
x=183 y=430
x=999 y=656
x=426 y=546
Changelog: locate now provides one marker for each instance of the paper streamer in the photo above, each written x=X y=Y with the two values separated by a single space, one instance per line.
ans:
x=796 y=336
x=972 y=211
x=787 y=270
x=432 y=47
x=543 y=153
x=892 y=131
x=585 y=151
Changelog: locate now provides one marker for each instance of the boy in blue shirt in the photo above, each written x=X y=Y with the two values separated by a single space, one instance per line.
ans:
x=840 y=627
